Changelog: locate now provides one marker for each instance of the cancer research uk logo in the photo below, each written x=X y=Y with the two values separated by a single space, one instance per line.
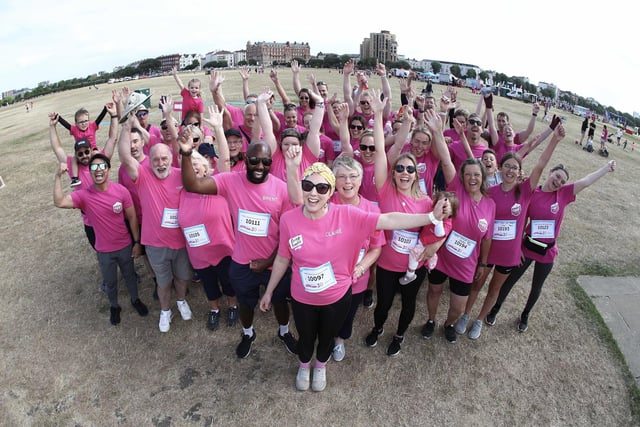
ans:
x=117 y=207
x=483 y=225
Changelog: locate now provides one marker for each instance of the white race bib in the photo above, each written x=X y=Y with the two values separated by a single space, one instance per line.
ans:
x=504 y=229
x=402 y=241
x=196 y=236
x=460 y=246
x=169 y=218
x=253 y=223
x=317 y=279
x=423 y=185
x=337 y=145
x=543 y=229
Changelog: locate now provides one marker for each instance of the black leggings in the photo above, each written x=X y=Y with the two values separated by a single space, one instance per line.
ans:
x=540 y=273
x=320 y=322
x=386 y=287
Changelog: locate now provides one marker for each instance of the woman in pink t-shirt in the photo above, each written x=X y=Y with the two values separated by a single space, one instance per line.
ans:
x=206 y=223
x=545 y=215
x=512 y=200
x=322 y=279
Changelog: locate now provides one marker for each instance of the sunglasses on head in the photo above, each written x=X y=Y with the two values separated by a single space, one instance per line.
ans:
x=474 y=122
x=83 y=153
x=321 y=188
x=359 y=127
x=253 y=161
x=364 y=147
x=96 y=166
x=402 y=168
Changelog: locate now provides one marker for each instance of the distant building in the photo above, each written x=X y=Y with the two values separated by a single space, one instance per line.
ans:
x=268 y=53
x=425 y=64
x=382 y=45
x=167 y=62
x=186 y=59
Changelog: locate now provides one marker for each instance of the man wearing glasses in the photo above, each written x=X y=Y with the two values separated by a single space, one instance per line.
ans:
x=256 y=200
x=106 y=204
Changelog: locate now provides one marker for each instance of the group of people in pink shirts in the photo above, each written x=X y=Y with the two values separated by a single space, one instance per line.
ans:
x=326 y=201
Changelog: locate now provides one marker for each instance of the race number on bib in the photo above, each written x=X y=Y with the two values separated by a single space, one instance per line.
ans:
x=543 y=229
x=402 y=241
x=317 y=279
x=196 y=236
x=253 y=223
x=460 y=245
x=170 y=218
x=504 y=229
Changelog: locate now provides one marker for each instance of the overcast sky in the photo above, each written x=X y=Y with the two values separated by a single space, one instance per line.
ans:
x=588 y=51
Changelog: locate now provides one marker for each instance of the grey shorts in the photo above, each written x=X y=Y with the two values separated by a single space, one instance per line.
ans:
x=169 y=263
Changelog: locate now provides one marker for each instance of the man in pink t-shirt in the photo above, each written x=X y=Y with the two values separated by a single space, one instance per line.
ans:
x=256 y=200
x=159 y=186
x=107 y=204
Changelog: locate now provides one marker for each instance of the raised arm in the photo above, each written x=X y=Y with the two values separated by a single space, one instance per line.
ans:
x=536 y=173
x=488 y=105
x=347 y=69
x=345 y=136
x=583 y=183
x=110 y=144
x=244 y=75
x=54 y=140
x=273 y=75
x=386 y=87
x=293 y=159
x=402 y=135
x=295 y=69
x=193 y=184
x=381 y=168
x=439 y=146
x=524 y=134
x=60 y=200
x=214 y=120
x=265 y=120
x=533 y=143
x=174 y=73
x=131 y=165
x=313 y=137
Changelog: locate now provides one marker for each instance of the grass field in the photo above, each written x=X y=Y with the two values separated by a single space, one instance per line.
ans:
x=62 y=363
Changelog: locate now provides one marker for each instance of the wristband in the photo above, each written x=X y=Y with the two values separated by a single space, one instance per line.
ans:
x=114 y=116
x=186 y=153
x=433 y=219
x=482 y=264
x=136 y=242
x=534 y=114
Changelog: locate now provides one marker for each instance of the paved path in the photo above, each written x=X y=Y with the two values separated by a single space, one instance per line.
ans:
x=618 y=301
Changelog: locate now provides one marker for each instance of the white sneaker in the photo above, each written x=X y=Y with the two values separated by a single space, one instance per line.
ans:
x=476 y=329
x=165 y=320
x=184 y=309
x=461 y=324
x=407 y=278
x=339 y=352
x=319 y=379
x=302 y=379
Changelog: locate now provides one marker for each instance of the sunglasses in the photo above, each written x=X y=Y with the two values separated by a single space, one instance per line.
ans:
x=141 y=114
x=364 y=102
x=83 y=153
x=302 y=98
x=253 y=161
x=359 y=127
x=474 y=122
x=364 y=147
x=196 y=139
x=98 y=166
x=511 y=168
x=321 y=188
x=402 y=168
x=196 y=124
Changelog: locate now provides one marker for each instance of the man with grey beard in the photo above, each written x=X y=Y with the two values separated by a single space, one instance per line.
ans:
x=159 y=186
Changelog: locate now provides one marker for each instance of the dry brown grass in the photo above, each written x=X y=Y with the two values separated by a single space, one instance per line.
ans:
x=61 y=363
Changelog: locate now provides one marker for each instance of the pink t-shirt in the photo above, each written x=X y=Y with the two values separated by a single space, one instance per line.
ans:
x=427 y=167
x=451 y=133
x=328 y=129
x=459 y=155
x=89 y=134
x=508 y=226
x=106 y=210
x=321 y=276
x=155 y=137
x=546 y=212
x=87 y=182
x=206 y=224
x=428 y=234
x=237 y=115
x=458 y=256
x=395 y=254
x=368 y=186
x=160 y=200
x=279 y=166
x=125 y=179
x=189 y=103
x=376 y=240
x=256 y=210
x=501 y=149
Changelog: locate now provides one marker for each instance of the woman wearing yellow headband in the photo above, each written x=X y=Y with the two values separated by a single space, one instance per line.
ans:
x=323 y=241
